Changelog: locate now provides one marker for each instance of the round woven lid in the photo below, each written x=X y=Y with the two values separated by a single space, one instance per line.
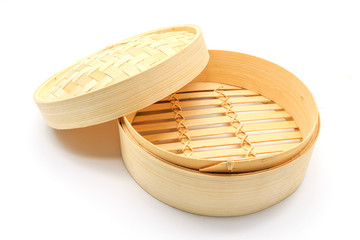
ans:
x=123 y=78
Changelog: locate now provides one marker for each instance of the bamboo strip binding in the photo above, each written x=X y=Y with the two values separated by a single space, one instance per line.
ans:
x=182 y=126
x=235 y=122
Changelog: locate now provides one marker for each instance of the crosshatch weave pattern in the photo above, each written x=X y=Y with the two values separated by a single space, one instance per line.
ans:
x=119 y=62
x=235 y=122
x=182 y=125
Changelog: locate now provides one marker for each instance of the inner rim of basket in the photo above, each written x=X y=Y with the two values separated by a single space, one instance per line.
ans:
x=266 y=79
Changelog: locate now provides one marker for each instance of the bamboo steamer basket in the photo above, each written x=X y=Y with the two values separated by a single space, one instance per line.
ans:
x=163 y=88
x=227 y=187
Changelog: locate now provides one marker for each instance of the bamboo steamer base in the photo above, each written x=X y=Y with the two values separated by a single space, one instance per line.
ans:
x=213 y=194
x=208 y=186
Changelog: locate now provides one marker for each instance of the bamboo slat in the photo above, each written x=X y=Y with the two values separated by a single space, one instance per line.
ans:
x=206 y=111
x=209 y=94
x=232 y=141
x=242 y=152
x=206 y=102
x=211 y=120
x=222 y=130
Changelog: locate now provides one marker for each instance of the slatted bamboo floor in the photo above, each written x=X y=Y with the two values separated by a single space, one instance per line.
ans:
x=208 y=120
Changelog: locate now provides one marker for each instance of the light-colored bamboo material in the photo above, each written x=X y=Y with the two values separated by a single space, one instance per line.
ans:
x=123 y=78
x=259 y=90
x=240 y=114
x=234 y=141
x=213 y=194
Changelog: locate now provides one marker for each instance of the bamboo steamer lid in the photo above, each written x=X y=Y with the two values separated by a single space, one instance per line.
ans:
x=123 y=78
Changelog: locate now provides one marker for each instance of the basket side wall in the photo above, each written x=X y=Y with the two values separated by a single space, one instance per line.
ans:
x=211 y=194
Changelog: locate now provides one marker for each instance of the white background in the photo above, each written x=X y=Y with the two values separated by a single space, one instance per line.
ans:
x=73 y=184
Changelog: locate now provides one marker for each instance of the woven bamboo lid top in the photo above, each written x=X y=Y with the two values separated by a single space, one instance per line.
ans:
x=119 y=62
x=91 y=87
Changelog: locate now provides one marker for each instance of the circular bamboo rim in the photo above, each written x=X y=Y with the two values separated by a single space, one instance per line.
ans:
x=123 y=77
x=289 y=98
